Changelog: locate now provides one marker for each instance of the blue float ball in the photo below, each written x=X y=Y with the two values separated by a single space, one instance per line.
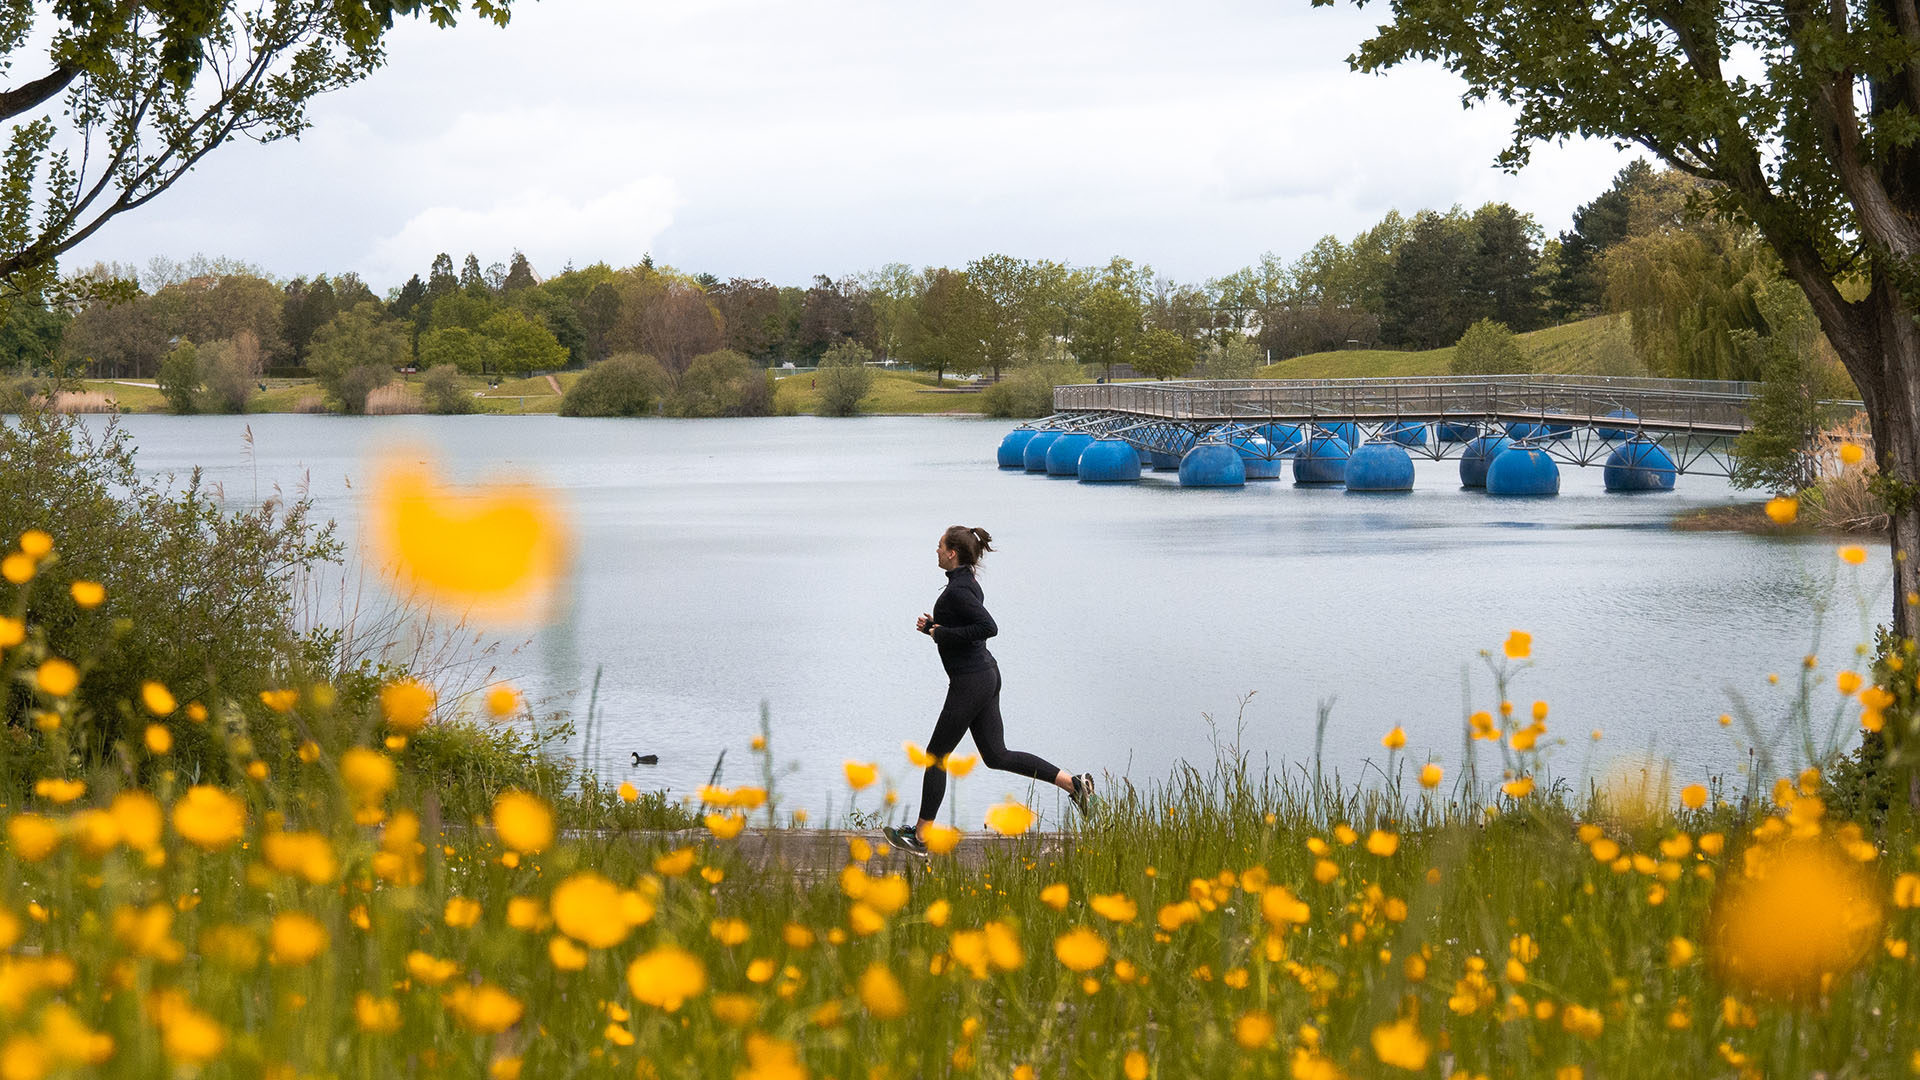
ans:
x=1109 y=461
x=1640 y=465
x=1617 y=433
x=1259 y=458
x=1163 y=461
x=1212 y=464
x=1145 y=455
x=1284 y=437
x=1013 y=448
x=1456 y=431
x=1034 y=457
x=1523 y=470
x=1560 y=431
x=1477 y=456
x=1063 y=457
x=1323 y=460
x=1346 y=432
x=1380 y=466
x=1520 y=431
x=1406 y=433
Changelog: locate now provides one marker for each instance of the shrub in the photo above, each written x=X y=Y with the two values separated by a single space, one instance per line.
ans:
x=196 y=597
x=355 y=354
x=723 y=383
x=844 y=379
x=1029 y=391
x=440 y=389
x=1487 y=348
x=625 y=384
x=1162 y=354
x=1235 y=358
x=179 y=378
x=230 y=372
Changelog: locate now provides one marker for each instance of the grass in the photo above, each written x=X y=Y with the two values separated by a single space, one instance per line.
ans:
x=893 y=393
x=1596 y=346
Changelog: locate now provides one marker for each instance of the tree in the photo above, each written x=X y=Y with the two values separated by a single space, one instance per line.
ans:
x=179 y=378
x=308 y=307
x=519 y=274
x=30 y=335
x=219 y=307
x=948 y=329
x=1162 y=354
x=1487 y=348
x=520 y=345
x=1578 y=287
x=230 y=370
x=118 y=338
x=1234 y=358
x=1504 y=272
x=472 y=281
x=844 y=379
x=1427 y=301
x=625 y=384
x=892 y=292
x=678 y=325
x=750 y=310
x=1106 y=329
x=723 y=383
x=441 y=392
x=1797 y=372
x=1809 y=136
x=356 y=353
x=152 y=88
x=456 y=347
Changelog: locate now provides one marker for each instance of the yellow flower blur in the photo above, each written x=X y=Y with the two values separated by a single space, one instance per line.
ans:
x=860 y=774
x=406 y=703
x=209 y=818
x=1009 y=818
x=494 y=551
x=524 y=822
x=1794 y=914
x=56 y=677
x=87 y=595
x=1080 y=949
x=1783 y=509
x=666 y=976
x=1519 y=645
x=157 y=698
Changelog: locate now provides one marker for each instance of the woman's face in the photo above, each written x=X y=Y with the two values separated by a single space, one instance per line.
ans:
x=944 y=554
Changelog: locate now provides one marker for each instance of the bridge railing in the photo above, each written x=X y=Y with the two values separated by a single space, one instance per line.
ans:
x=1694 y=404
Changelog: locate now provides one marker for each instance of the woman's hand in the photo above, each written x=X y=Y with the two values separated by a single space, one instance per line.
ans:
x=923 y=622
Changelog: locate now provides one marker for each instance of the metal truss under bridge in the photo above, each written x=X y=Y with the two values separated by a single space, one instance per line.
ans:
x=1579 y=419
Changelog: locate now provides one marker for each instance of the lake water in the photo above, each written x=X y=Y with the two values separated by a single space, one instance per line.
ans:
x=724 y=563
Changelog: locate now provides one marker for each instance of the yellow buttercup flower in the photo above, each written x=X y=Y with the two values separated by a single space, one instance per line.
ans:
x=307 y=855
x=496 y=551
x=406 y=704
x=957 y=767
x=729 y=932
x=1783 y=509
x=1382 y=844
x=627 y=792
x=1852 y=554
x=503 y=700
x=1115 y=907
x=591 y=910
x=158 y=739
x=209 y=818
x=1430 y=775
x=1518 y=788
x=524 y=822
x=1852 y=453
x=12 y=631
x=674 y=863
x=368 y=774
x=32 y=837
x=430 y=970
x=1134 y=1066
x=376 y=1016
x=1055 y=896
x=59 y=792
x=940 y=839
x=917 y=756
x=1400 y=1045
x=565 y=955
x=87 y=595
x=296 y=938
x=57 y=677
x=280 y=701
x=1794 y=914
x=1395 y=739
x=36 y=543
x=666 y=976
x=1253 y=1031
x=484 y=1009
x=17 y=568
x=187 y=1035
x=1009 y=818
x=1519 y=645
x=1693 y=796
x=726 y=826
x=881 y=993
x=860 y=774
x=157 y=698
x=1080 y=949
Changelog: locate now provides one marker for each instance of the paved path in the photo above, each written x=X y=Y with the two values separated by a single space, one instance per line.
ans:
x=810 y=853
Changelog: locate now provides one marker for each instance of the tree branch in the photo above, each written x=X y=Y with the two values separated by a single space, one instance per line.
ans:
x=16 y=101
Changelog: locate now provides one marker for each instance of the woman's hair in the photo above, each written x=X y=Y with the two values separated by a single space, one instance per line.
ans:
x=967 y=543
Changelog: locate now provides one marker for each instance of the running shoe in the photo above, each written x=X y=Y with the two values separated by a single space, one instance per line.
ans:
x=1083 y=793
x=906 y=840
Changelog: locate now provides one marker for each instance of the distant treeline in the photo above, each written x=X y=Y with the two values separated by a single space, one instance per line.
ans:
x=1407 y=282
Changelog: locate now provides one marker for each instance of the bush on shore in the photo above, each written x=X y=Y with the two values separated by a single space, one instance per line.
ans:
x=624 y=384
x=441 y=392
x=844 y=379
x=1028 y=392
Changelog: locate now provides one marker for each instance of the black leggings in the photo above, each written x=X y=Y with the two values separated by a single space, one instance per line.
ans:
x=973 y=703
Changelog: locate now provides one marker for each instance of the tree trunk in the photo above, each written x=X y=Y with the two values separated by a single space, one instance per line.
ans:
x=1878 y=340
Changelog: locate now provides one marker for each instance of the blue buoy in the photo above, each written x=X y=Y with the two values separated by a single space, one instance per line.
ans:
x=1456 y=431
x=1520 y=431
x=1145 y=455
x=1284 y=437
x=1640 y=465
x=1323 y=460
x=1163 y=461
x=1013 y=448
x=1034 y=457
x=1166 y=457
x=1063 y=457
x=1109 y=461
x=1560 y=431
x=1380 y=466
x=1258 y=457
x=1617 y=433
x=1477 y=456
x=1212 y=464
x=1404 y=432
x=1523 y=470
x=1346 y=432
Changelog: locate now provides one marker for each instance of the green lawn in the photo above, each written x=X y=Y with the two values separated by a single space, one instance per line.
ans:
x=894 y=392
x=1597 y=346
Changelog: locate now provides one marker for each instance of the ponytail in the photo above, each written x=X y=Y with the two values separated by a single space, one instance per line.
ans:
x=968 y=543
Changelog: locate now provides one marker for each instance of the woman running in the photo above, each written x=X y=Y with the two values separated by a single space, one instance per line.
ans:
x=960 y=626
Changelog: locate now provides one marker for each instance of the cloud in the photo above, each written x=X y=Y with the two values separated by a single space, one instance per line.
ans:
x=618 y=226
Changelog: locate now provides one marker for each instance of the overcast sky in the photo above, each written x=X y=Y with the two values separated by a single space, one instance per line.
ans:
x=769 y=139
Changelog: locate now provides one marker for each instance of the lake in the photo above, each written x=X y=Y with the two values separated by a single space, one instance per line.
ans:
x=725 y=563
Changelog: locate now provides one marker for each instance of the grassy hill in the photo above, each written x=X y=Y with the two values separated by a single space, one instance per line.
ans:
x=895 y=392
x=1598 y=346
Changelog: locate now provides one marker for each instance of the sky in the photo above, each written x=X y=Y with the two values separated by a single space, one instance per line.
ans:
x=754 y=138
